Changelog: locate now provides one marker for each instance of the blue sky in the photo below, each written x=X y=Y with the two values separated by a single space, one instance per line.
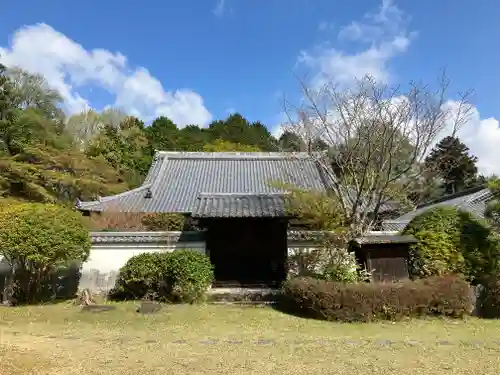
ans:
x=195 y=60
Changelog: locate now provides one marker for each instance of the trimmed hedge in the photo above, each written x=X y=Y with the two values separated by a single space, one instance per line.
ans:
x=364 y=302
x=178 y=276
x=452 y=241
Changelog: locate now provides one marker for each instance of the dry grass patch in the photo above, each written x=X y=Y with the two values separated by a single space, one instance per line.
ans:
x=59 y=339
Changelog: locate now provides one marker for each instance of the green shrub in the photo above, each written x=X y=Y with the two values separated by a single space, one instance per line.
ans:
x=163 y=222
x=179 y=276
x=452 y=241
x=488 y=301
x=142 y=274
x=190 y=273
x=363 y=302
x=37 y=240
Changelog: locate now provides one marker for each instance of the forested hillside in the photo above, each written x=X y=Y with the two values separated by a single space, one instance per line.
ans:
x=47 y=156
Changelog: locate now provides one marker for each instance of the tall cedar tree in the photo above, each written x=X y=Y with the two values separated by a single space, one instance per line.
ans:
x=450 y=160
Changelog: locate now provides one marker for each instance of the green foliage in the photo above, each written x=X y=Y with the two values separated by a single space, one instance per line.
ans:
x=236 y=129
x=225 y=146
x=163 y=222
x=37 y=239
x=42 y=164
x=143 y=273
x=190 y=274
x=125 y=148
x=44 y=158
x=331 y=260
x=342 y=267
x=452 y=241
x=43 y=234
x=488 y=301
x=492 y=212
x=179 y=276
x=449 y=296
x=163 y=134
x=314 y=210
x=451 y=161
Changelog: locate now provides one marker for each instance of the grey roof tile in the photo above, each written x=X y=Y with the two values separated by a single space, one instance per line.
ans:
x=384 y=239
x=240 y=205
x=176 y=179
x=474 y=202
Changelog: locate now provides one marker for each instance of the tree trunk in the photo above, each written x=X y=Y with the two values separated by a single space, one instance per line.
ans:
x=8 y=289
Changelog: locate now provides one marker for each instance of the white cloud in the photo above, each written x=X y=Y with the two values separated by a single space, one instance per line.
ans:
x=220 y=8
x=68 y=67
x=482 y=136
x=383 y=35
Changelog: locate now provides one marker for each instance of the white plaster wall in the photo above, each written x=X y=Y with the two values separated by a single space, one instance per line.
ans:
x=99 y=272
x=107 y=258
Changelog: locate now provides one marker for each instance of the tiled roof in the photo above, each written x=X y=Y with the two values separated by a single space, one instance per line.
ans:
x=146 y=237
x=176 y=179
x=294 y=237
x=238 y=205
x=473 y=201
x=384 y=239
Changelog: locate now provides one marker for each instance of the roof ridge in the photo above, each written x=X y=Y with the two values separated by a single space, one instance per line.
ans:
x=460 y=194
x=113 y=197
x=232 y=155
x=480 y=195
x=237 y=195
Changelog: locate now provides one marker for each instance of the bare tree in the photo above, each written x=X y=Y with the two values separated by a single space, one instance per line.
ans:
x=32 y=90
x=378 y=138
x=85 y=125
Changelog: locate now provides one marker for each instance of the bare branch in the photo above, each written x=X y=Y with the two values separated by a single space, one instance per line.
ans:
x=378 y=137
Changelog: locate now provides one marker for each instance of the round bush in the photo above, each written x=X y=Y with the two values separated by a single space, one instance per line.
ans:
x=178 y=276
x=451 y=241
x=488 y=301
x=142 y=274
x=39 y=239
x=190 y=273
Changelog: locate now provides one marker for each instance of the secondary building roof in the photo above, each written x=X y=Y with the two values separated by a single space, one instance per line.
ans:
x=238 y=205
x=219 y=183
x=473 y=201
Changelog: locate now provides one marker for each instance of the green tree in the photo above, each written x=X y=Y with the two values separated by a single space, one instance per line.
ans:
x=226 y=146
x=163 y=134
x=35 y=240
x=8 y=109
x=451 y=161
x=492 y=212
x=125 y=148
x=193 y=138
x=42 y=164
x=452 y=241
x=291 y=142
x=237 y=129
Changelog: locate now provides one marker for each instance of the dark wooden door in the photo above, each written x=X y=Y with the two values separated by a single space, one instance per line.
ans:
x=248 y=251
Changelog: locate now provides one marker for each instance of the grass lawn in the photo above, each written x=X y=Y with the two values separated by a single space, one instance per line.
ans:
x=60 y=339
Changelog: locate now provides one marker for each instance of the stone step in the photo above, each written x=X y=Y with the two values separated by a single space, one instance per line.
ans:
x=243 y=295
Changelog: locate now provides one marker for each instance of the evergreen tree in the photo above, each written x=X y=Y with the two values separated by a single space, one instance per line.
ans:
x=450 y=160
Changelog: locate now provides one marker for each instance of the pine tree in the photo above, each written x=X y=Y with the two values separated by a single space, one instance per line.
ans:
x=451 y=161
